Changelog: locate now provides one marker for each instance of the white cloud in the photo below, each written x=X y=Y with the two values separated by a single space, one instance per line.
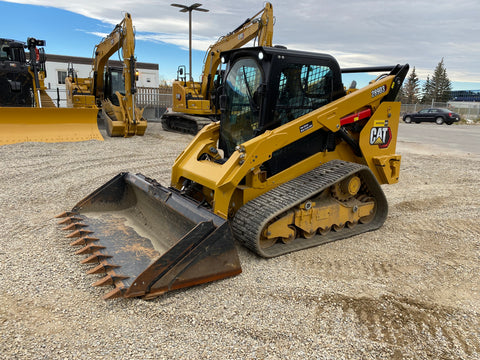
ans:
x=357 y=33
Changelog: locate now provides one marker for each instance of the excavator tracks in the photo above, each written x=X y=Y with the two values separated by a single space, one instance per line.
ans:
x=319 y=186
x=184 y=123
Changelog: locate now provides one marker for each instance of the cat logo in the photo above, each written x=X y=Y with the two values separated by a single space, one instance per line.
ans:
x=381 y=134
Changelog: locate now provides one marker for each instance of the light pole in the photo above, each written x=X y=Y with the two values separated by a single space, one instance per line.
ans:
x=189 y=9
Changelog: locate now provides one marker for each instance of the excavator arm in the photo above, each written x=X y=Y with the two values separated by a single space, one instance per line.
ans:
x=122 y=37
x=254 y=27
x=121 y=118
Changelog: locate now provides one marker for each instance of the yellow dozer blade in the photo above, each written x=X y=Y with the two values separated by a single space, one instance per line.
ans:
x=148 y=239
x=19 y=124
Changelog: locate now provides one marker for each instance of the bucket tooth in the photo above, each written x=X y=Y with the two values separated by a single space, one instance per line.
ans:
x=79 y=233
x=102 y=268
x=109 y=280
x=69 y=220
x=89 y=249
x=66 y=214
x=84 y=241
x=115 y=293
x=158 y=238
x=75 y=226
x=95 y=258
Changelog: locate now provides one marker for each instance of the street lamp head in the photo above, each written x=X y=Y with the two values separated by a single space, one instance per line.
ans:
x=190 y=8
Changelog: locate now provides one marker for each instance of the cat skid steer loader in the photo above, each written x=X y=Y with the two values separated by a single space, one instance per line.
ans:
x=27 y=113
x=295 y=161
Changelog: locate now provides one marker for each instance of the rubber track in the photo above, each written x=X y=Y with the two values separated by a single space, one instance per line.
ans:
x=184 y=123
x=251 y=218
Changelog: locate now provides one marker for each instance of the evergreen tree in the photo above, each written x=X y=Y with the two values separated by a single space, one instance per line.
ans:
x=411 y=89
x=441 y=85
x=438 y=88
x=427 y=91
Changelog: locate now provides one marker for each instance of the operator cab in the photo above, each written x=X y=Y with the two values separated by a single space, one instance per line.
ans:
x=267 y=87
x=15 y=81
x=113 y=82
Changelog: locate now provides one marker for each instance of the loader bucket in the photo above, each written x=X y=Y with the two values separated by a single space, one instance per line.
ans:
x=23 y=124
x=149 y=239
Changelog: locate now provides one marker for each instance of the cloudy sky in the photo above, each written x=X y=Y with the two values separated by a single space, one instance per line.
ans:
x=356 y=33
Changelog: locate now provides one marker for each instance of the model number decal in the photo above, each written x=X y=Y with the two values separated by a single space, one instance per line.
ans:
x=379 y=90
x=306 y=126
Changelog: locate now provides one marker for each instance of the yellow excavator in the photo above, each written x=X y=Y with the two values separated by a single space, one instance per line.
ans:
x=295 y=161
x=194 y=103
x=111 y=89
x=27 y=113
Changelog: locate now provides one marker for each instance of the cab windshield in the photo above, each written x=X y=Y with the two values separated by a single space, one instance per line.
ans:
x=240 y=119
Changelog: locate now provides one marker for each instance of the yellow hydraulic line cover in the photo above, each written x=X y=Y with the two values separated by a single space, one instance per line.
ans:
x=47 y=125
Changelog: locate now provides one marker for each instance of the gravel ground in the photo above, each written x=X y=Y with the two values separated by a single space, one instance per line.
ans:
x=407 y=291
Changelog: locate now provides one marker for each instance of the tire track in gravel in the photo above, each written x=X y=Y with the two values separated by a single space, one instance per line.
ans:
x=406 y=323
x=54 y=169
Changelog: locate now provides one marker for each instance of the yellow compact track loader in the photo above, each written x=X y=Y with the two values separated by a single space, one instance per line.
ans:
x=112 y=90
x=195 y=103
x=295 y=161
x=27 y=113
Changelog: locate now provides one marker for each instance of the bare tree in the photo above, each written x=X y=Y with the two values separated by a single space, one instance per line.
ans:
x=411 y=90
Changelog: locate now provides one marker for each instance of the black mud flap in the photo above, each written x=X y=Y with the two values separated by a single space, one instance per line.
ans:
x=149 y=239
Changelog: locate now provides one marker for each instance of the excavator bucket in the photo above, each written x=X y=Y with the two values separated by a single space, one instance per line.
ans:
x=23 y=124
x=149 y=239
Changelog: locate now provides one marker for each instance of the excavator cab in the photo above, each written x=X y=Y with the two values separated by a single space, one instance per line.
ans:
x=114 y=82
x=15 y=80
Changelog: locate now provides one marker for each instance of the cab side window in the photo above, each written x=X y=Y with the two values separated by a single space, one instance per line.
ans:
x=302 y=88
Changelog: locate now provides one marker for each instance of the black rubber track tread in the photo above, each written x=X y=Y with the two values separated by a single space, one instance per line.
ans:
x=188 y=124
x=251 y=218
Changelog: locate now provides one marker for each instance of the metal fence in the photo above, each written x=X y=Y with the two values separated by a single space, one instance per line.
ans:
x=158 y=99
x=147 y=97
x=468 y=110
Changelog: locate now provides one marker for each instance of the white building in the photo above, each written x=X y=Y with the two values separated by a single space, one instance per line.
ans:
x=57 y=66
